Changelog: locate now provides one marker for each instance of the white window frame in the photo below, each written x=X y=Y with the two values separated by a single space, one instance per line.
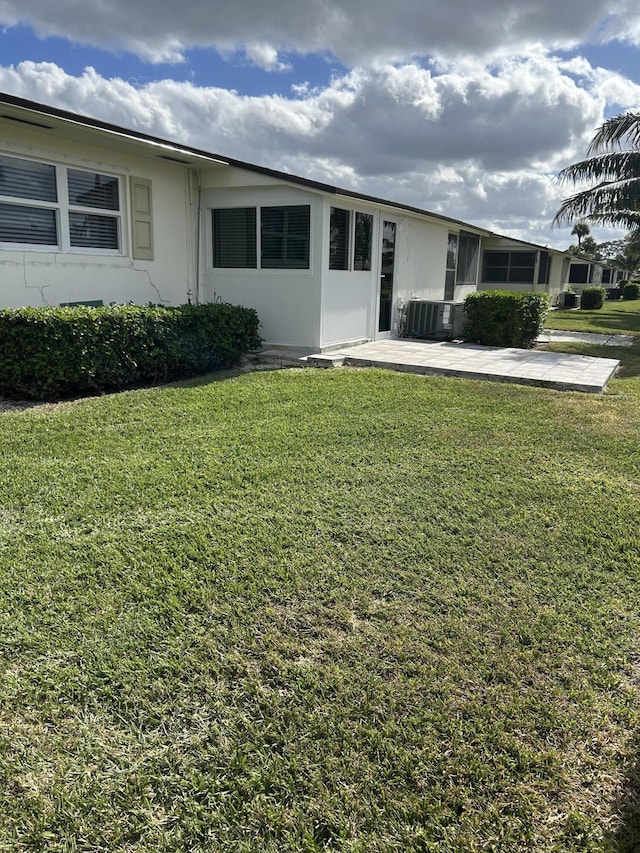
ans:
x=287 y=271
x=351 y=238
x=63 y=208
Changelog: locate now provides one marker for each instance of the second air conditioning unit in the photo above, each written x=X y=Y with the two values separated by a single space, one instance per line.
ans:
x=568 y=299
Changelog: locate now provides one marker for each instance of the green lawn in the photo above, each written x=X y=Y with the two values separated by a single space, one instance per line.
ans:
x=620 y=317
x=322 y=611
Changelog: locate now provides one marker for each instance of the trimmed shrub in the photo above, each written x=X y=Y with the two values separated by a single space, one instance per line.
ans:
x=50 y=353
x=631 y=290
x=592 y=298
x=504 y=318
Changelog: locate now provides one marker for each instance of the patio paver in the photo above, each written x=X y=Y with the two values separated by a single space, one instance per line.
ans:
x=529 y=367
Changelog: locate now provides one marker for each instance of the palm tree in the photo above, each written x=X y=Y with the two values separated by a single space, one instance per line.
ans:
x=613 y=162
x=580 y=230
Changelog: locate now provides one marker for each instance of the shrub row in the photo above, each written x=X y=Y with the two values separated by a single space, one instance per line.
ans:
x=51 y=353
x=631 y=290
x=504 y=318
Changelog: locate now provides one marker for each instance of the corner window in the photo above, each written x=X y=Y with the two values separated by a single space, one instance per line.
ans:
x=452 y=262
x=468 y=250
x=46 y=205
x=339 y=225
x=544 y=268
x=363 y=234
x=284 y=237
x=234 y=238
x=282 y=241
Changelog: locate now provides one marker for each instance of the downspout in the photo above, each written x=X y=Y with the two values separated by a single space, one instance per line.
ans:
x=198 y=229
x=194 y=207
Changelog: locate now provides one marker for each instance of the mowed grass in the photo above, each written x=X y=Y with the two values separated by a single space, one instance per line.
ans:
x=616 y=317
x=311 y=611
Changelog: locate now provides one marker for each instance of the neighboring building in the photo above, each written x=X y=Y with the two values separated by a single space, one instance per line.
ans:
x=582 y=273
x=91 y=212
x=509 y=264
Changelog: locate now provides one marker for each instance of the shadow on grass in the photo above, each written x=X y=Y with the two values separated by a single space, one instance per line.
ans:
x=629 y=357
x=623 y=320
x=628 y=323
x=626 y=839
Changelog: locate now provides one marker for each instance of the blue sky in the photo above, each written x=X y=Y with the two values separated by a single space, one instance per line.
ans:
x=463 y=110
x=202 y=66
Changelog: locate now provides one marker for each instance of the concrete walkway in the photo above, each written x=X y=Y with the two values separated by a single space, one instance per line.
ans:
x=551 y=335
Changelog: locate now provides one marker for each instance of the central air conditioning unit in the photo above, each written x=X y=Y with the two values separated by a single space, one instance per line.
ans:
x=440 y=321
x=568 y=299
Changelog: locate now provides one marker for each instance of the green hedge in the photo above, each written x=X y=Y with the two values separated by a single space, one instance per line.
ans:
x=631 y=290
x=504 y=318
x=592 y=298
x=51 y=353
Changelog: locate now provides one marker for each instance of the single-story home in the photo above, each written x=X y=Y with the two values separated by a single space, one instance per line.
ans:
x=583 y=273
x=94 y=213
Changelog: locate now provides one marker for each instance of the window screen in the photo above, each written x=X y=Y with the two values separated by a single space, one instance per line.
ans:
x=90 y=189
x=285 y=233
x=468 y=248
x=509 y=267
x=362 y=241
x=234 y=237
x=27 y=179
x=91 y=231
x=30 y=225
x=339 y=239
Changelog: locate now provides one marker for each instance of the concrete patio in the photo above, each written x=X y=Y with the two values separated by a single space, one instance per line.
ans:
x=560 y=371
x=526 y=367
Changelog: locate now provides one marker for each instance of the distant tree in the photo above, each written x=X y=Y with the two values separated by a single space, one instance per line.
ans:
x=589 y=248
x=613 y=163
x=580 y=230
x=625 y=252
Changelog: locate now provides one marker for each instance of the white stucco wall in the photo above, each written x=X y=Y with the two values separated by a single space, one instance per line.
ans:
x=287 y=301
x=422 y=259
x=347 y=307
x=43 y=277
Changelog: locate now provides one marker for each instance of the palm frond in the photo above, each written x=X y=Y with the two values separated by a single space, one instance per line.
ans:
x=615 y=131
x=616 y=165
x=610 y=202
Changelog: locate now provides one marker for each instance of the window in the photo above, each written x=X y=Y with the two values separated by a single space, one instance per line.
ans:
x=468 y=249
x=579 y=274
x=452 y=262
x=509 y=267
x=342 y=234
x=544 y=268
x=283 y=242
x=88 y=190
x=46 y=205
x=363 y=234
x=284 y=237
x=607 y=275
x=234 y=237
x=339 y=223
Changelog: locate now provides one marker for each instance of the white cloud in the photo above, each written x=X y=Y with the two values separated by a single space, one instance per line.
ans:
x=477 y=143
x=356 y=31
x=266 y=57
